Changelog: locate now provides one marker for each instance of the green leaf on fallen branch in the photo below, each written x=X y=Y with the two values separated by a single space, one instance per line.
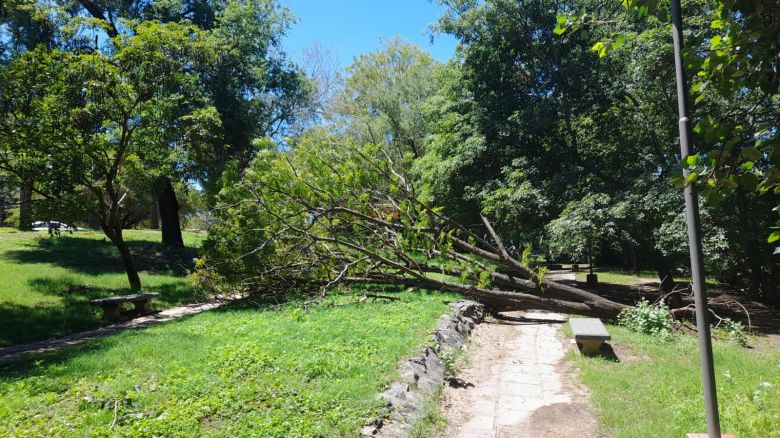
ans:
x=692 y=160
x=748 y=181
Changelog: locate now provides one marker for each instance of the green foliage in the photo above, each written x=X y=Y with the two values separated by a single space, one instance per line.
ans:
x=453 y=359
x=541 y=271
x=234 y=372
x=525 y=258
x=556 y=102
x=735 y=331
x=654 y=320
x=383 y=98
x=584 y=226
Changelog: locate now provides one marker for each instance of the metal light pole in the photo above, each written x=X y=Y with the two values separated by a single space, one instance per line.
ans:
x=694 y=236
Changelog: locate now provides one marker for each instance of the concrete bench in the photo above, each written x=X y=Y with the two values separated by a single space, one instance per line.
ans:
x=589 y=333
x=112 y=306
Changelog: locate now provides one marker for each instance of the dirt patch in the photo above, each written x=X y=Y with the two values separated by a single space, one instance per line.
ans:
x=559 y=420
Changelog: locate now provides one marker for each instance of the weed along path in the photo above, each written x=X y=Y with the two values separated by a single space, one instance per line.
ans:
x=516 y=383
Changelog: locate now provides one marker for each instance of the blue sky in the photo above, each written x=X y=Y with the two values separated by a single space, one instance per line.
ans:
x=351 y=27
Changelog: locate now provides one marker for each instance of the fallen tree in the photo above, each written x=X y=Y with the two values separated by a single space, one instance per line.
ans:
x=324 y=215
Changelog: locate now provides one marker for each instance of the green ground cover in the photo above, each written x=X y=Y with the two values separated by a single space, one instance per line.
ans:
x=46 y=282
x=628 y=277
x=657 y=391
x=616 y=276
x=234 y=372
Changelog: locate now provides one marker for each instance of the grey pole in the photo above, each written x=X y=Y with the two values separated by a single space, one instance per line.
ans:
x=694 y=236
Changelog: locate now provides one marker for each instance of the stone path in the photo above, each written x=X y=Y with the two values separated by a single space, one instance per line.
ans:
x=17 y=351
x=517 y=384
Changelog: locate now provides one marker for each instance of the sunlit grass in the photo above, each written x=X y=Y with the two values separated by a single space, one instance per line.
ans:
x=240 y=372
x=46 y=282
x=628 y=277
x=657 y=391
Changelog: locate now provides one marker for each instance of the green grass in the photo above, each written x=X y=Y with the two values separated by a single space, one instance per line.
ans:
x=614 y=276
x=628 y=277
x=238 y=372
x=46 y=282
x=658 y=392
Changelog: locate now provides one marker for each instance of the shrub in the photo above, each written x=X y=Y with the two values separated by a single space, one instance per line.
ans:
x=735 y=331
x=651 y=319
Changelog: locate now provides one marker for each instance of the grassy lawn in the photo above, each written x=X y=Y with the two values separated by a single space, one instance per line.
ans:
x=657 y=393
x=615 y=276
x=46 y=282
x=237 y=372
x=627 y=277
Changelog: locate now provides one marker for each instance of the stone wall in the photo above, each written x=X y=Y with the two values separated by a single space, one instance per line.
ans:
x=420 y=376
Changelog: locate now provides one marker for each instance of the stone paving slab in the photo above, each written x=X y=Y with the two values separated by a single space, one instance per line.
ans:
x=519 y=379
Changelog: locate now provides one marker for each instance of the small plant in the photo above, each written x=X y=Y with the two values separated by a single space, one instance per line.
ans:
x=651 y=319
x=432 y=422
x=525 y=259
x=541 y=271
x=735 y=331
x=453 y=360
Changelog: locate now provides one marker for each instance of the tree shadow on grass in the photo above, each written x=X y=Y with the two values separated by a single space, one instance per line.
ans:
x=95 y=257
x=72 y=313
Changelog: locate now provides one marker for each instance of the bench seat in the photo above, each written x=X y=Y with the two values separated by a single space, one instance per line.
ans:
x=589 y=333
x=112 y=306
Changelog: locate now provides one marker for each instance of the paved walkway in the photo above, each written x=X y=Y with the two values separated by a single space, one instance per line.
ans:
x=517 y=384
x=17 y=351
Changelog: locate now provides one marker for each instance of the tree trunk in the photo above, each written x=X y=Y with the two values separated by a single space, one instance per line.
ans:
x=154 y=214
x=115 y=234
x=169 y=214
x=127 y=259
x=25 y=206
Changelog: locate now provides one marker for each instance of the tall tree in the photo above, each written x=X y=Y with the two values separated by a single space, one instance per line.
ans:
x=255 y=89
x=383 y=97
x=87 y=122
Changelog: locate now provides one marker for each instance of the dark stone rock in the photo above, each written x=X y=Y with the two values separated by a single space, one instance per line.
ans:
x=448 y=338
x=467 y=308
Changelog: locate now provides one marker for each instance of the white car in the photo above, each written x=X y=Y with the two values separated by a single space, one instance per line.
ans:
x=51 y=225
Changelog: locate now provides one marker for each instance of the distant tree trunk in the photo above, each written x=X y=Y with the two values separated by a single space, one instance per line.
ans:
x=169 y=213
x=154 y=213
x=25 y=206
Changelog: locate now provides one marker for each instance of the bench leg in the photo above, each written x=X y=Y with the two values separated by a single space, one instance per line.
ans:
x=142 y=307
x=589 y=346
x=112 y=311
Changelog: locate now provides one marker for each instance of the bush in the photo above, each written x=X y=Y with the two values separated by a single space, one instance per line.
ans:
x=735 y=331
x=651 y=319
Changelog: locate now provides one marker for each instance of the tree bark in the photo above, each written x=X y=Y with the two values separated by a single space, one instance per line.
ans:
x=127 y=260
x=169 y=214
x=154 y=213
x=25 y=206
x=113 y=231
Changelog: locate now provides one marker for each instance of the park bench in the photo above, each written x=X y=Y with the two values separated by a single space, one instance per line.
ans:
x=589 y=333
x=112 y=306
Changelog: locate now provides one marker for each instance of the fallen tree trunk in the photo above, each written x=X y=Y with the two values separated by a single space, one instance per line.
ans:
x=319 y=228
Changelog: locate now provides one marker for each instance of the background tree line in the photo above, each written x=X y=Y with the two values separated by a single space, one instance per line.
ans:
x=555 y=123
